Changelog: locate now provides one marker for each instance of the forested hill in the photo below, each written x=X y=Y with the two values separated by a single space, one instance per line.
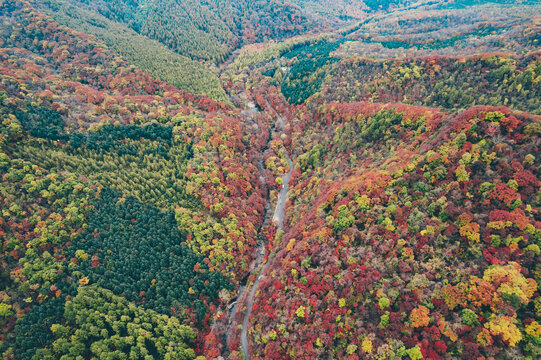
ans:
x=207 y=30
x=409 y=236
x=489 y=79
x=114 y=179
x=147 y=145
x=147 y=54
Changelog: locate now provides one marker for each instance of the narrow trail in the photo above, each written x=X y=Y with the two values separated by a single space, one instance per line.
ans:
x=278 y=217
x=260 y=240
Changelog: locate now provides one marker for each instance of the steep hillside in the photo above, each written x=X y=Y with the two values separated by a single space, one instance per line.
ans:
x=449 y=28
x=244 y=180
x=411 y=232
x=207 y=30
x=341 y=9
x=479 y=55
x=448 y=82
x=147 y=54
x=114 y=179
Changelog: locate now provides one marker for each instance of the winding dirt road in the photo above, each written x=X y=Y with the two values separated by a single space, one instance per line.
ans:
x=278 y=217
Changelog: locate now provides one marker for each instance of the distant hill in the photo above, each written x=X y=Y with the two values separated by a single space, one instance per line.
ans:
x=207 y=30
x=147 y=54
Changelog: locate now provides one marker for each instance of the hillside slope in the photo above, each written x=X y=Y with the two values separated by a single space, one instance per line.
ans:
x=411 y=232
x=367 y=193
x=207 y=30
x=147 y=54
x=447 y=82
x=116 y=180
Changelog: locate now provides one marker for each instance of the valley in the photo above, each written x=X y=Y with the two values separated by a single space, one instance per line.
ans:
x=270 y=180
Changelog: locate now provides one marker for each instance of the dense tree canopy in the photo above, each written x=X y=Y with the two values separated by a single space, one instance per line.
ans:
x=137 y=251
x=94 y=157
x=96 y=323
x=207 y=30
x=452 y=83
x=137 y=194
x=405 y=217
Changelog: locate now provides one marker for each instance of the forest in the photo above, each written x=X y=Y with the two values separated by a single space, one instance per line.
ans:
x=296 y=179
x=207 y=30
x=453 y=83
x=147 y=54
x=428 y=245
